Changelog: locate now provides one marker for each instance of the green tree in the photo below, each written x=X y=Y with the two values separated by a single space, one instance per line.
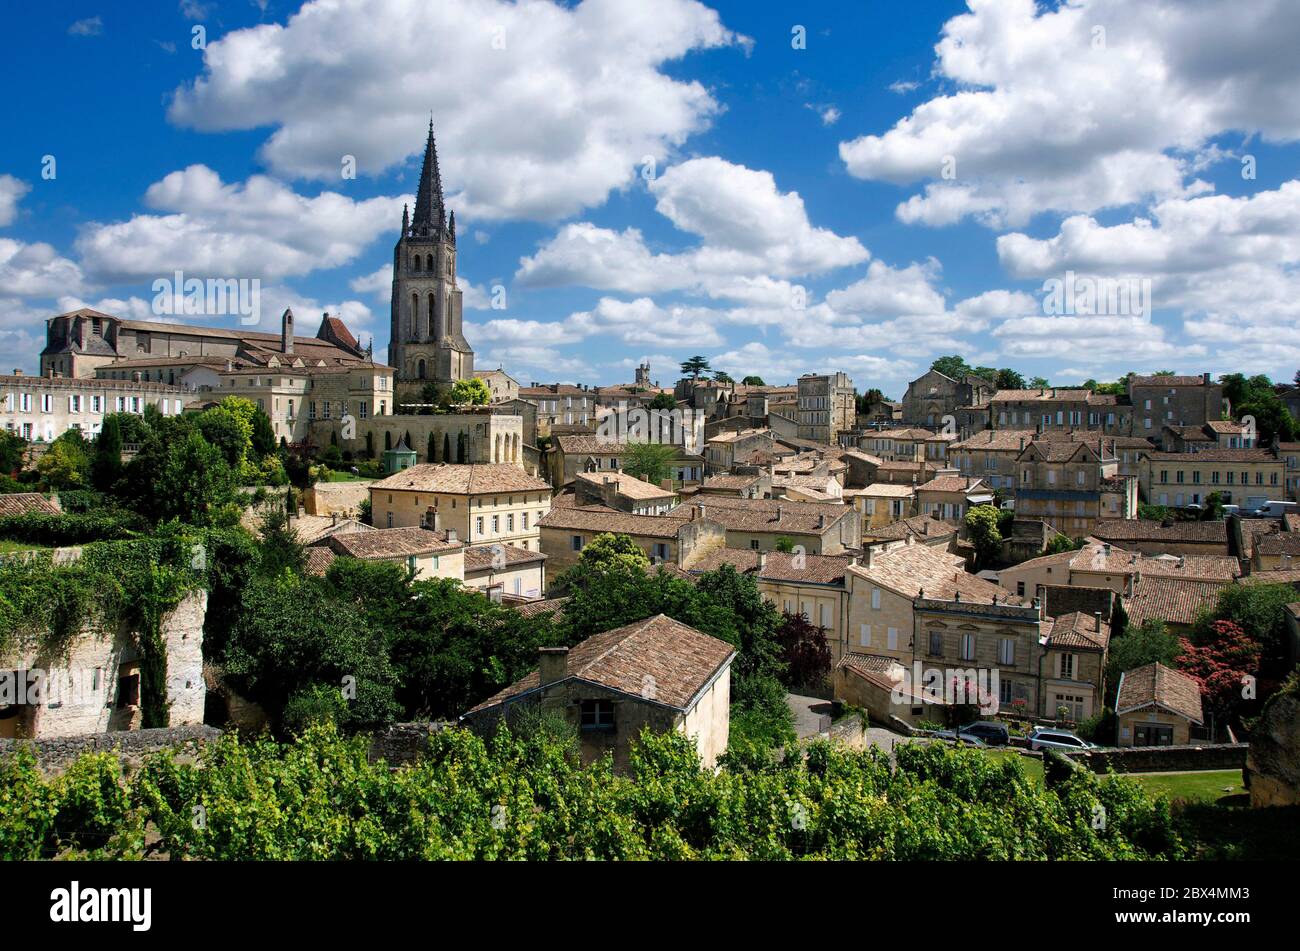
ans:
x=649 y=461
x=722 y=376
x=106 y=467
x=752 y=380
x=263 y=436
x=195 y=484
x=695 y=366
x=953 y=365
x=12 y=449
x=282 y=549
x=226 y=428
x=663 y=401
x=66 y=463
x=1008 y=379
x=982 y=526
x=472 y=392
x=1260 y=610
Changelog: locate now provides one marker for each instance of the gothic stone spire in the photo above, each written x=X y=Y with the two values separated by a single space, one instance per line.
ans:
x=430 y=214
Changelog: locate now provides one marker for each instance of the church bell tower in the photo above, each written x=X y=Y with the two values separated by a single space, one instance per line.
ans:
x=427 y=343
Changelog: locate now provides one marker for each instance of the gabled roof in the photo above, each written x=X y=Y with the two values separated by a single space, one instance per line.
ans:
x=676 y=659
x=455 y=479
x=1078 y=631
x=1158 y=685
x=392 y=543
x=1174 y=600
x=23 y=503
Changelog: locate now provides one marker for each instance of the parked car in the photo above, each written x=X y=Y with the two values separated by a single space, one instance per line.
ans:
x=1048 y=739
x=990 y=731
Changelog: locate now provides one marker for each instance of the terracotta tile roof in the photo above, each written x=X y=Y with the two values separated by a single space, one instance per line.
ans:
x=1253 y=530
x=340 y=330
x=392 y=543
x=1217 y=455
x=884 y=672
x=766 y=515
x=1292 y=522
x=1167 y=381
x=1175 y=600
x=1096 y=559
x=950 y=483
x=1289 y=576
x=628 y=485
x=478 y=479
x=1078 y=631
x=914 y=434
x=1279 y=543
x=22 y=503
x=553 y=606
x=729 y=481
x=1044 y=394
x=319 y=559
x=1156 y=684
x=910 y=569
x=890 y=490
x=1060 y=450
x=1226 y=426
x=481 y=557
x=552 y=389
x=590 y=518
x=921 y=526
x=680 y=661
x=742 y=434
x=995 y=440
x=1149 y=530
x=778 y=566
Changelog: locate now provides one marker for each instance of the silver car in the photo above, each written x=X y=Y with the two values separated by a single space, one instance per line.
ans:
x=1048 y=739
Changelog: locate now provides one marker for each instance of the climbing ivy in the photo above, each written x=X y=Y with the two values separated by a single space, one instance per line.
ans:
x=126 y=586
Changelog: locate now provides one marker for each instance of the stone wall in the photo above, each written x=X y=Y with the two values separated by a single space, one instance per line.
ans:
x=404 y=742
x=131 y=747
x=1273 y=765
x=1162 y=759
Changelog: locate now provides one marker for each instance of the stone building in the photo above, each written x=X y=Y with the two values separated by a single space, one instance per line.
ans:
x=817 y=528
x=666 y=539
x=827 y=406
x=95 y=686
x=950 y=496
x=560 y=404
x=427 y=339
x=1074 y=666
x=1157 y=706
x=1160 y=401
x=657 y=673
x=83 y=342
x=484 y=504
x=1071 y=485
x=625 y=493
x=811 y=585
x=506 y=570
x=43 y=408
x=1245 y=477
x=934 y=395
x=1049 y=409
x=1164 y=538
x=425 y=552
x=572 y=454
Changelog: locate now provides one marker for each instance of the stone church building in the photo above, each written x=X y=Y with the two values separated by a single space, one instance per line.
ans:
x=427 y=341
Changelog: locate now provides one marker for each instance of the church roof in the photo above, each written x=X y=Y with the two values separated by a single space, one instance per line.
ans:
x=430 y=213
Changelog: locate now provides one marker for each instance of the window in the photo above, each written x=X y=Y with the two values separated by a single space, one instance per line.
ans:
x=524 y=521
x=598 y=715
x=1007 y=651
x=875 y=599
x=575 y=541
x=864 y=632
x=936 y=643
x=826 y=615
x=968 y=647
x=496 y=524
x=1067 y=666
x=1004 y=691
x=891 y=638
x=1020 y=589
x=47 y=402
x=478 y=526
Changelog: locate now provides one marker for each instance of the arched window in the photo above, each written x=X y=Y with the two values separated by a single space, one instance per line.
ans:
x=419 y=369
x=429 y=265
x=415 y=316
x=433 y=330
x=416 y=263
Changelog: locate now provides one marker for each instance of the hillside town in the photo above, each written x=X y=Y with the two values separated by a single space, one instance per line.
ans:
x=301 y=588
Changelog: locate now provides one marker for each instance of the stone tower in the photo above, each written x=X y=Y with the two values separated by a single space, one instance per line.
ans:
x=426 y=341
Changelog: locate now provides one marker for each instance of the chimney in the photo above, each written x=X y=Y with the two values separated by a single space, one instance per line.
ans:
x=334 y=518
x=552 y=664
x=866 y=557
x=762 y=561
x=432 y=520
x=1205 y=378
x=1038 y=606
x=286 y=331
x=1096 y=621
x=230 y=365
x=701 y=510
x=452 y=536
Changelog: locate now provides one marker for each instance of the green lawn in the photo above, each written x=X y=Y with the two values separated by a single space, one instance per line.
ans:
x=1202 y=787
x=331 y=475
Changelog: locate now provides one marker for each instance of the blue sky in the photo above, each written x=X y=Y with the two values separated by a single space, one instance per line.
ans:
x=649 y=181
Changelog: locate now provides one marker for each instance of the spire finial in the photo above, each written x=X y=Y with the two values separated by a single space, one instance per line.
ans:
x=430 y=213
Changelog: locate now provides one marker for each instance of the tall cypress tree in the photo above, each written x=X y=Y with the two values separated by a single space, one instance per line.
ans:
x=106 y=468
